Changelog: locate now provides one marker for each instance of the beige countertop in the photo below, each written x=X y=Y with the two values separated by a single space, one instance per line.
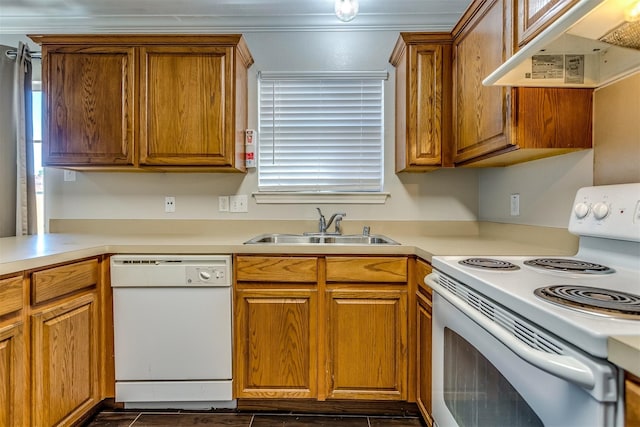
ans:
x=624 y=351
x=82 y=238
x=74 y=239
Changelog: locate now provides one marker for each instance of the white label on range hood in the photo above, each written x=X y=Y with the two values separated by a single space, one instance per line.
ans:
x=547 y=66
x=569 y=67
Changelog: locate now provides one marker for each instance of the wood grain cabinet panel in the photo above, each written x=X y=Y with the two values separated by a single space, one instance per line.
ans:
x=366 y=344
x=13 y=384
x=499 y=126
x=64 y=361
x=11 y=295
x=89 y=105
x=632 y=401
x=423 y=101
x=159 y=102
x=276 y=269
x=536 y=15
x=57 y=281
x=186 y=117
x=480 y=112
x=367 y=269
x=276 y=348
x=424 y=311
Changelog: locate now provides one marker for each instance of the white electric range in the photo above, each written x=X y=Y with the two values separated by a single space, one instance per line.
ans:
x=549 y=317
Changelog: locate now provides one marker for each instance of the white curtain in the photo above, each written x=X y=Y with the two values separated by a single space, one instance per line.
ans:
x=17 y=182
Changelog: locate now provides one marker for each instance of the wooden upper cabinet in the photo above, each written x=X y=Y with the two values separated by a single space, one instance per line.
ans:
x=423 y=101
x=481 y=112
x=536 y=15
x=499 y=126
x=165 y=102
x=187 y=106
x=89 y=105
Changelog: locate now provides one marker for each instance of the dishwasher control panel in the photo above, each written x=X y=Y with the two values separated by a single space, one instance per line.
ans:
x=206 y=276
x=161 y=271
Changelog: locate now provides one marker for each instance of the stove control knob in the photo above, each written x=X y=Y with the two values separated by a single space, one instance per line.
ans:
x=600 y=210
x=581 y=210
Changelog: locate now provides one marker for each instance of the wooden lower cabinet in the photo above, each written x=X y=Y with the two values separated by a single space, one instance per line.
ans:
x=423 y=341
x=276 y=343
x=321 y=328
x=632 y=401
x=12 y=375
x=366 y=344
x=423 y=373
x=64 y=361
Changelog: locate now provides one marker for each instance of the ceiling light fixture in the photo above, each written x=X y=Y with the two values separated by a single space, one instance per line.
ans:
x=346 y=10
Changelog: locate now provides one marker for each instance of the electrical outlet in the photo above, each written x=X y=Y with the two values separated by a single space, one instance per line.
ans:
x=238 y=203
x=223 y=203
x=515 y=204
x=169 y=204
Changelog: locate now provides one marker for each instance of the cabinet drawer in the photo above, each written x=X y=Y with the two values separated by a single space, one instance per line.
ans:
x=367 y=269
x=10 y=295
x=58 y=281
x=277 y=269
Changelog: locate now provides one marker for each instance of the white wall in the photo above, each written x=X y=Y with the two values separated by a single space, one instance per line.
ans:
x=547 y=188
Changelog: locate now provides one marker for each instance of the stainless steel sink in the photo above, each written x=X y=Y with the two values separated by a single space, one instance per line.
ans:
x=302 y=239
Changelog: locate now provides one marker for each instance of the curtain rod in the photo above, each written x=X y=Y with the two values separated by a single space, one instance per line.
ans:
x=12 y=54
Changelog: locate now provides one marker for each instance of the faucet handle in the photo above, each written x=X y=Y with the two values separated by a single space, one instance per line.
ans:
x=366 y=230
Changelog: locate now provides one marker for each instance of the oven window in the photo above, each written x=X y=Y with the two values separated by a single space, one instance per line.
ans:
x=476 y=393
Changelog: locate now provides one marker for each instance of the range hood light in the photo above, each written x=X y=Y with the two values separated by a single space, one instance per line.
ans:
x=632 y=14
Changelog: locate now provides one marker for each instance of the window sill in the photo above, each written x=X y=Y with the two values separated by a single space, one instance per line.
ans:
x=320 y=198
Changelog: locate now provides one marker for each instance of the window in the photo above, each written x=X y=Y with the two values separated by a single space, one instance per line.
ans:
x=321 y=132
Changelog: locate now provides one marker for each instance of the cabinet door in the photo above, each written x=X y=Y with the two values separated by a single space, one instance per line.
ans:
x=423 y=101
x=12 y=376
x=64 y=361
x=276 y=343
x=535 y=15
x=88 y=106
x=423 y=395
x=187 y=108
x=366 y=351
x=632 y=401
x=481 y=113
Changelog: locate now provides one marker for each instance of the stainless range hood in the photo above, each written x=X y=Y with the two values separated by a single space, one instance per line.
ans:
x=594 y=43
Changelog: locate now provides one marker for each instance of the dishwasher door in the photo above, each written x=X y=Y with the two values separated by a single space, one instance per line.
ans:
x=172 y=333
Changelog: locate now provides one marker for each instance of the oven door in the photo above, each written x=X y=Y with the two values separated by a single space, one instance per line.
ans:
x=478 y=381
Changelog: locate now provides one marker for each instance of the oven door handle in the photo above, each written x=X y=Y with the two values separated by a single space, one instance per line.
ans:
x=565 y=367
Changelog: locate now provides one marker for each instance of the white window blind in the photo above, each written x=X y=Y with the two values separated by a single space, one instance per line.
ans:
x=321 y=132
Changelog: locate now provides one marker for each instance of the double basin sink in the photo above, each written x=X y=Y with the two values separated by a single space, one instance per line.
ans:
x=337 y=239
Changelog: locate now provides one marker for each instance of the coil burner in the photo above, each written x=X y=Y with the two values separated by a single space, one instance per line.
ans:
x=489 y=264
x=569 y=266
x=593 y=300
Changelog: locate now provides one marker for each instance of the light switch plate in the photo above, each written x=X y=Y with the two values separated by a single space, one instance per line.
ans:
x=223 y=203
x=238 y=203
x=515 y=204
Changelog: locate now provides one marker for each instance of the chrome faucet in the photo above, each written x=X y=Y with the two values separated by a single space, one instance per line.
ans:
x=323 y=224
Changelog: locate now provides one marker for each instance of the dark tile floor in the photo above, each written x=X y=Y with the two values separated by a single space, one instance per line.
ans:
x=175 y=419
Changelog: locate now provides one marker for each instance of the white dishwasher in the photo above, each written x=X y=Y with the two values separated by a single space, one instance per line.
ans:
x=172 y=331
